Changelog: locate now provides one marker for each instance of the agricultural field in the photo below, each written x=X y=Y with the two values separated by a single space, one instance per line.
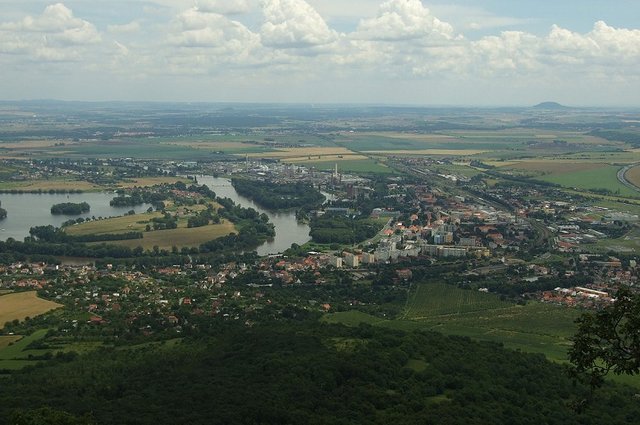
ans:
x=127 y=223
x=299 y=154
x=534 y=327
x=633 y=176
x=382 y=142
x=15 y=356
x=228 y=147
x=180 y=237
x=134 y=148
x=429 y=300
x=7 y=340
x=573 y=174
x=604 y=177
x=151 y=181
x=551 y=167
x=20 y=305
x=432 y=152
x=52 y=184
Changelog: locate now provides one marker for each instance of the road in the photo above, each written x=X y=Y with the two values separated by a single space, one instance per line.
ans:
x=622 y=179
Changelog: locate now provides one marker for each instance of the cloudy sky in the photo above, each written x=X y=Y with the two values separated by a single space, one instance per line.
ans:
x=457 y=52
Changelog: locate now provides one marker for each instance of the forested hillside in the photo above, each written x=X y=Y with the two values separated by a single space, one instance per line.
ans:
x=313 y=374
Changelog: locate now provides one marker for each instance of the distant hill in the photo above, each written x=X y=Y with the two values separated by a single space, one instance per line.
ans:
x=550 y=105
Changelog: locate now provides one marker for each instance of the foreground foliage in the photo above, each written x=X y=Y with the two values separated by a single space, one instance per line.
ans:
x=313 y=374
x=609 y=340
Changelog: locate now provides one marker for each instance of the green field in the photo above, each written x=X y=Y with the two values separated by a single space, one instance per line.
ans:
x=15 y=356
x=534 y=327
x=382 y=142
x=599 y=178
x=433 y=300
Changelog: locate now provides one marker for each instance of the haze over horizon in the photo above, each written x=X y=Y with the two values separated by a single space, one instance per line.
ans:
x=405 y=52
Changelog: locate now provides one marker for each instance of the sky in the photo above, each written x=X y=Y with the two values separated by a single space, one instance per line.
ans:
x=406 y=52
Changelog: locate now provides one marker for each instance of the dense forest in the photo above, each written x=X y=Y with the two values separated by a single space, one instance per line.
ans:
x=278 y=196
x=310 y=373
x=70 y=208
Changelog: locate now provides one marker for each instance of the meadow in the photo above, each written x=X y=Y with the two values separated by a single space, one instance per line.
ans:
x=604 y=177
x=20 y=305
x=182 y=236
x=127 y=223
x=582 y=175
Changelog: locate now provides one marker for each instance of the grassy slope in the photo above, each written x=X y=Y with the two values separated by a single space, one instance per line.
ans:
x=535 y=327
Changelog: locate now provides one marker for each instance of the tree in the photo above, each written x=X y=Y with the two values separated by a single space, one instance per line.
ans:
x=609 y=340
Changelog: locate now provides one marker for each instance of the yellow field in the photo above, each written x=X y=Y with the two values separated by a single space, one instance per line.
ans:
x=152 y=181
x=500 y=163
x=447 y=152
x=50 y=184
x=127 y=223
x=289 y=153
x=180 y=237
x=33 y=144
x=633 y=175
x=23 y=304
x=6 y=340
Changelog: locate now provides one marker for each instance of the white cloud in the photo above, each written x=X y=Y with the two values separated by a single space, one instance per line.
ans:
x=511 y=51
x=199 y=29
x=58 y=21
x=224 y=7
x=256 y=43
x=131 y=27
x=399 y=20
x=294 y=24
x=55 y=35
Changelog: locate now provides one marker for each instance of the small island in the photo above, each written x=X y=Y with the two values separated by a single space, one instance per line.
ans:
x=70 y=208
x=3 y=213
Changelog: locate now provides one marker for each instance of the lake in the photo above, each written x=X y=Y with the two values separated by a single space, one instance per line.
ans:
x=28 y=209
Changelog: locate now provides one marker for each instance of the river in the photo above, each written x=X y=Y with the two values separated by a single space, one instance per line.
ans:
x=29 y=209
x=288 y=229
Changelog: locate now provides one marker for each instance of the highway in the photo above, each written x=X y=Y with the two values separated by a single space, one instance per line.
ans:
x=622 y=179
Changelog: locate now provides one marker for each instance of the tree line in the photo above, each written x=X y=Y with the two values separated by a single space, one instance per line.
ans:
x=275 y=196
